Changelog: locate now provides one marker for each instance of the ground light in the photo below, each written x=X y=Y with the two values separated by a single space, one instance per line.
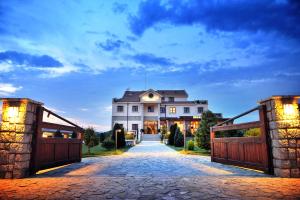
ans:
x=13 y=112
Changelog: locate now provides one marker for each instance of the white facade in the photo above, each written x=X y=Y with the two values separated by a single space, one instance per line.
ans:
x=145 y=109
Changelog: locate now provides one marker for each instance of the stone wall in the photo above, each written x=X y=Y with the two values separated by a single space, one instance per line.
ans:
x=284 y=130
x=17 y=129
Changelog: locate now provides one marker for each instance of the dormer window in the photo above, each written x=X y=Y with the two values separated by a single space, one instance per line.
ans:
x=150 y=95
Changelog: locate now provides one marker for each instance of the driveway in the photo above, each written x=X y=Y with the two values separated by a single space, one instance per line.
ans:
x=150 y=170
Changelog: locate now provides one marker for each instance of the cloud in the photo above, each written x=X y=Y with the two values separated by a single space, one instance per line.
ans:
x=113 y=45
x=253 y=16
x=119 y=7
x=5 y=67
x=48 y=66
x=151 y=59
x=84 y=109
x=241 y=83
x=8 y=89
x=108 y=108
x=54 y=72
x=24 y=59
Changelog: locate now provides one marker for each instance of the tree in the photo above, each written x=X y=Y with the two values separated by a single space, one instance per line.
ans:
x=90 y=138
x=179 y=139
x=252 y=132
x=121 y=135
x=58 y=134
x=164 y=132
x=202 y=136
x=171 y=140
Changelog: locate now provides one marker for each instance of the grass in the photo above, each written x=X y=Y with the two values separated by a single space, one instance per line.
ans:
x=196 y=151
x=101 y=151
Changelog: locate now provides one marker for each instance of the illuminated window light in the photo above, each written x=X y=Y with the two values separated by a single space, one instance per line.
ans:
x=289 y=109
x=13 y=112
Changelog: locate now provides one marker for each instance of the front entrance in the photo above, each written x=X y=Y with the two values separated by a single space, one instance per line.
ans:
x=150 y=127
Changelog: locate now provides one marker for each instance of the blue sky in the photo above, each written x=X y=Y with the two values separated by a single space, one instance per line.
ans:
x=75 y=56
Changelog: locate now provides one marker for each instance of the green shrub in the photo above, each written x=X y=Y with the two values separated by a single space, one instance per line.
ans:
x=164 y=131
x=190 y=145
x=90 y=138
x=252 y=132
x=108 y=143
x=171 y=139
x=129 y=137
x=74 y=135
x=58 y=134
x=167 y=135
x=179 y=138
x=202 y=136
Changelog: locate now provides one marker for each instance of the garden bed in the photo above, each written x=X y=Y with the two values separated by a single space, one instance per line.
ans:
x=101 y=151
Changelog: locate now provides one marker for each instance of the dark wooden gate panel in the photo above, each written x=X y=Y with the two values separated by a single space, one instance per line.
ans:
x=51 y=152
x=251 y=152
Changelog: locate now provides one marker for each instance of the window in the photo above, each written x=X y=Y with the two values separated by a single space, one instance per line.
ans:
x=186 y=109
x=135 y=127
x=162 y=110
x=163 y=98
x=200 y=109
x=120 y=108
x=171 y=99
x=172 y=110
x=135 y=109
x=150 y=109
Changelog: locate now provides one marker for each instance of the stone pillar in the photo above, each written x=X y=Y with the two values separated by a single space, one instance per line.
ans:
x=284 y=129
x=17 y=129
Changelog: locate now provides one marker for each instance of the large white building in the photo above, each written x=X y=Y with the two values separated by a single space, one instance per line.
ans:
x=150 y=110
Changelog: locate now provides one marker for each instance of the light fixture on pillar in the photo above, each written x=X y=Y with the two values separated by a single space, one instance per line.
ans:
x=13 y=112
x=289 y=109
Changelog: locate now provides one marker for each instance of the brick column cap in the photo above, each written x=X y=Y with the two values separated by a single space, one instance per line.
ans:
x=279 y=97
x=21 y=99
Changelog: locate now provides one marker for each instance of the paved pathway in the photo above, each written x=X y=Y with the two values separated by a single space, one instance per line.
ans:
x=150 y=171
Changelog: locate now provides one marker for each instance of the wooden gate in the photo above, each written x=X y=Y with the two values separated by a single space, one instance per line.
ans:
x=250 y=152
x=50 y=150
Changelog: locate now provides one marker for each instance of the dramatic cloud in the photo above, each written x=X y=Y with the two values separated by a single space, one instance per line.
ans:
x=24 y=59
x=150 y=59
x=8 y=89
x=257 y=15
x=113 y=45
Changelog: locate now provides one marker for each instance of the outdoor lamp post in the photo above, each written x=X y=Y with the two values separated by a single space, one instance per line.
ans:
x=116 y=137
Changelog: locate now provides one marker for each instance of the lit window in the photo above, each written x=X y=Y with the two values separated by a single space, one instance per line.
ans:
x=186 y=109
x=120 y=108
x=172 y=110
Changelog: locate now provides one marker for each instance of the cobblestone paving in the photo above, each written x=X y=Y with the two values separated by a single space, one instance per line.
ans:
x=150 y=171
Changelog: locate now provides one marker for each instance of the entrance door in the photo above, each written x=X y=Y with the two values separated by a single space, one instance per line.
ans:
x=150 y=127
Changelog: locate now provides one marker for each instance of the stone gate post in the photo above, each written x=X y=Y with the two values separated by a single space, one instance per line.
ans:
x=284 y=130
x=17 y=129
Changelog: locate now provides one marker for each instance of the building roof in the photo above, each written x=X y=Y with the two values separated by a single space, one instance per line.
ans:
x=133 y=96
